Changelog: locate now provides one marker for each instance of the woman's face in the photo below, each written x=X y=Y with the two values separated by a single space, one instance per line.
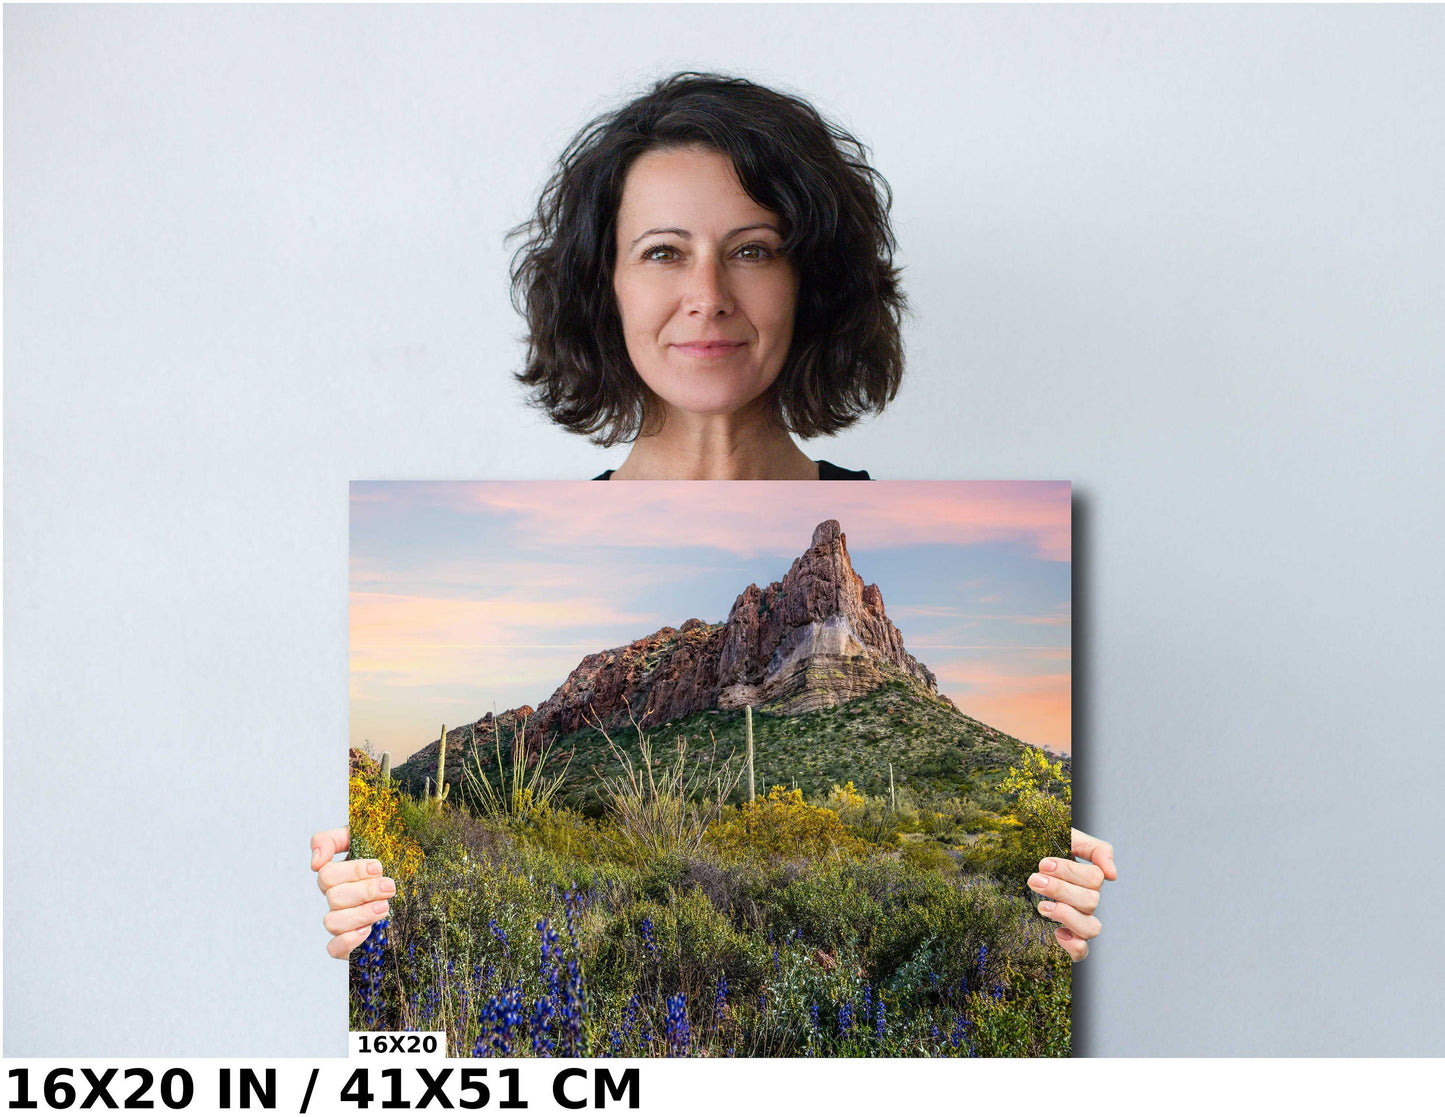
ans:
x=706 y=299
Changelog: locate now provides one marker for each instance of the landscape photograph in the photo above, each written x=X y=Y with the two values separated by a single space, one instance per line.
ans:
x=700 y=769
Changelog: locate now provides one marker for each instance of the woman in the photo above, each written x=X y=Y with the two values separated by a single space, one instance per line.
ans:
x=708 y=274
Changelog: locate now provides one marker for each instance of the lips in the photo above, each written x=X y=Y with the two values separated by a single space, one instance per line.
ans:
x=707 y=348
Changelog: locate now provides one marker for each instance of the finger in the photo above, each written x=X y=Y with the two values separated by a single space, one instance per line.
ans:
x=327 y=844
x=1083 y=873
x=1083 y=926
x=1100 y=852
x=1085 y=899
x=1076 y=948
x=342 y=945
x=339 y=872
x=359 y=892
x=351 y=919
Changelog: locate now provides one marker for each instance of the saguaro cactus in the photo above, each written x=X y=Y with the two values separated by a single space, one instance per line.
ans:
x=442 y=766
x=386 y=767
x=752 y=785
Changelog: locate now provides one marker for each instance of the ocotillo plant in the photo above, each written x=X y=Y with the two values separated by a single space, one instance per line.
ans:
x=442 y=766
x=752 y=785
x=892 y=793
x=386 y=767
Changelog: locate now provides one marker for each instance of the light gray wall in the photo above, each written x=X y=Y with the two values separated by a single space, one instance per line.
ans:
x=1191 y=258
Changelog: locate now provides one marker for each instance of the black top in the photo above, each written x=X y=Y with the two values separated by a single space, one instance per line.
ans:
x=827 y=471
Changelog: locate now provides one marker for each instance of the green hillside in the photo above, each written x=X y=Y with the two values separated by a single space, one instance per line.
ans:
x=933 y=748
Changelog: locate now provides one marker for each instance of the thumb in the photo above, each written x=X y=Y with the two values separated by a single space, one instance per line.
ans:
x=1100 y=852
x=327 y=844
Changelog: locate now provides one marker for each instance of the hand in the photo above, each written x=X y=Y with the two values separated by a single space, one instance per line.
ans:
x=1073 y=891
x=355 y=891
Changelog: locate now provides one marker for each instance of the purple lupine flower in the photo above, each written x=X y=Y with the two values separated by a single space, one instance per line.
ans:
x=501 y=936
x=813 y=1016
x=678 y=1038
x=542 y=1027
x=551 y=956
x=573 y=1008
x=372 y=963
x=501 y=1016
x=720 y=998
x=878 y=1024
x=569 y=906
x=649 y=941
x=845 y=1019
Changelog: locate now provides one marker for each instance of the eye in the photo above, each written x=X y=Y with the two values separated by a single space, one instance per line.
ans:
x=755 y=251
x=660 y=252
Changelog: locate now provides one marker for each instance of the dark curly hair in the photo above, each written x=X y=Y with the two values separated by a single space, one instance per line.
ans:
x=846 y=357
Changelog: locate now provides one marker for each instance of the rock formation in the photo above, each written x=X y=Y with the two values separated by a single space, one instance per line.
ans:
x=819 y=637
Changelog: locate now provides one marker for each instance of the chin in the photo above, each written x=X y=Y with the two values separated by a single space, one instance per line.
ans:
x=696 y=399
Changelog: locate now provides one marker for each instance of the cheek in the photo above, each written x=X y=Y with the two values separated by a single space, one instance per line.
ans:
x=641 y=307
x=781 y=308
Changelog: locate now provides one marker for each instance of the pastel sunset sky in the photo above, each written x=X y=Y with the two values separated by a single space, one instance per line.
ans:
x=473 y=596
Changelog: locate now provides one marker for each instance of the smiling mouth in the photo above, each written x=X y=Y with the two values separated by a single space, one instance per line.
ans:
x=708 y=348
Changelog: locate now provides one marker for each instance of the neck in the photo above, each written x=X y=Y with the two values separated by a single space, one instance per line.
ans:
x=744 y=446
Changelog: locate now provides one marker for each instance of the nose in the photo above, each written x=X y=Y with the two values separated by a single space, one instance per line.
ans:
x=708 y=294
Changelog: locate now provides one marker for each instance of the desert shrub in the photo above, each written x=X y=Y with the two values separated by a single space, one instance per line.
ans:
x=427 y=826
x=943 y=817
x=870 y=817
x=571 y=834
x=378 y=829
x=1042 y=796
x=1032 y=1021
x=662 y=805
x=926 y=855
x=782 y=824
x=829 y=905
x=734 y=888
x=683 y=945
x=517 y=786
x=966 y=928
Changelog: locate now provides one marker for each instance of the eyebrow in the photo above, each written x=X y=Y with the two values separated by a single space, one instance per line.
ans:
x=685 y=235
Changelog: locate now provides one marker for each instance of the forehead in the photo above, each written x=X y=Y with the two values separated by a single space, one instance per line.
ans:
x=687 y=188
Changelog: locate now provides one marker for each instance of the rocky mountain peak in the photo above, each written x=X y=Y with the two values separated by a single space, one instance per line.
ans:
x=818 y=637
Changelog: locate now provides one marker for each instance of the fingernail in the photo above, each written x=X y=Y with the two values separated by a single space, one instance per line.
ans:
x=1038 y=882
x=1064 y=933
x=373 y=867
x=1047 y=905
x=386 y=886
x=380 y=907
x=1049 y=865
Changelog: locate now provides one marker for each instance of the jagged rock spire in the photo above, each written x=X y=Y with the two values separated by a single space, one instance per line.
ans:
x=818 y=637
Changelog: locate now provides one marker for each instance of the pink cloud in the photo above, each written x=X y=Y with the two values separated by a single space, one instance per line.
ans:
x=755 y=517
x=1034 y=708
x=387 y=619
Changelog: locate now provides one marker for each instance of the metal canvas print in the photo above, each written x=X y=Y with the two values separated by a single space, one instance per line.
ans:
x=707 y=769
